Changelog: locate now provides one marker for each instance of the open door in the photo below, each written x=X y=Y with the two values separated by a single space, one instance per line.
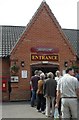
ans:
x=44 y=67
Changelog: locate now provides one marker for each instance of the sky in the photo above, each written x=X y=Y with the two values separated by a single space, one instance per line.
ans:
x=20 y=12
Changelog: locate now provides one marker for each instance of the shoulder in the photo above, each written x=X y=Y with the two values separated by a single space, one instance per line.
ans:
x=47 y=80
x=32 y=77
x=74 y=78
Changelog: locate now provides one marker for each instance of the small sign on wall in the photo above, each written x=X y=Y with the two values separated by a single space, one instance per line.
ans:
x=14 y=79
x=24 y=73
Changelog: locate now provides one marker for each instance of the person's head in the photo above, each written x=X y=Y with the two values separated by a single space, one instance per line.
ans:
x=42 y=76
x=57 y=73
x=36 y=72
x=50 y=75
x=40 y=72
x=70 y=71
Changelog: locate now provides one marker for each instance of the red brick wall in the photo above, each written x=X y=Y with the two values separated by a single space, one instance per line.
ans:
x=4 y=75
x=5 y=66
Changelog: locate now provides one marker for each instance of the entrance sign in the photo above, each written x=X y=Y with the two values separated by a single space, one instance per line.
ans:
x=36 y=57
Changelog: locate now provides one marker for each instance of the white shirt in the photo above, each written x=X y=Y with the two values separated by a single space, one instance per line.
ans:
x=67 y=86
x=57 y=78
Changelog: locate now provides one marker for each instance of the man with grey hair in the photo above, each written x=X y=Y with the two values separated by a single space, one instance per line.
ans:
x=50 y=90
x=58 y=75
x=67 y=90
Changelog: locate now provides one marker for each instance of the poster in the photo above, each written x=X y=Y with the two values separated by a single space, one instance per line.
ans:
x=24 y=73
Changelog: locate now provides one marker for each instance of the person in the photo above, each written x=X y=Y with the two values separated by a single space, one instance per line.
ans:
x=40 y=97
x=67 y=90
x=57 y=78
x=34 y=86
x=78 y=98
x=40 y=72
x=9 y=87
x=77 y=75
x=58 y=75
x=49 y=93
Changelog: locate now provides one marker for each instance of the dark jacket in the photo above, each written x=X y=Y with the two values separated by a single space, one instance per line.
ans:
x=34 y=80
x=50 y=87
x=77 y=76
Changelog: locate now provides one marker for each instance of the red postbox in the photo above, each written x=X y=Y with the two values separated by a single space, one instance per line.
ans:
x=4 y=85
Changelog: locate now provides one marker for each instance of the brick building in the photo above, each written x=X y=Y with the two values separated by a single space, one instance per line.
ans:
x=42 y=45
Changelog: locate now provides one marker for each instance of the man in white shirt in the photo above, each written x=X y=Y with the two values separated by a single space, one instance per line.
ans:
x=67 y=90
x=57 y=78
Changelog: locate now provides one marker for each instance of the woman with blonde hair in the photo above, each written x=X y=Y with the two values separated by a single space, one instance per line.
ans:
x=40 y=97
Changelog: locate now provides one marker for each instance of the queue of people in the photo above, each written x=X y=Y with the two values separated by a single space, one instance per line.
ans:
x=50 y=92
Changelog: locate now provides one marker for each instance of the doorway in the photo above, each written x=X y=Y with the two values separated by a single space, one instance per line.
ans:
x=44 y=68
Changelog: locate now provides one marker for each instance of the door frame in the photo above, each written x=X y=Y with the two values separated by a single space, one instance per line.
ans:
x=43 y=65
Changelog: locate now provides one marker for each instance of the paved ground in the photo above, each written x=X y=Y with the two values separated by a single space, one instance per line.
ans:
x=20 y=110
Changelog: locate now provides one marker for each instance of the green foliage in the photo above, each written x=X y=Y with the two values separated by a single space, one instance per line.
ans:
x=75 y=67
x=14 y=68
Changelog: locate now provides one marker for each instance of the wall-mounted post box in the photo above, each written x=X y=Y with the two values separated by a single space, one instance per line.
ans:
x=4 y=85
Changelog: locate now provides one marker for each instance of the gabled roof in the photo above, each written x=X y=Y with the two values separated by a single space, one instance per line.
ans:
x=9 y=35
x=72 y=37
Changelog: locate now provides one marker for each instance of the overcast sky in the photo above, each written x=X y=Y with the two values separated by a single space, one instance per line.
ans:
x=19 y=12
